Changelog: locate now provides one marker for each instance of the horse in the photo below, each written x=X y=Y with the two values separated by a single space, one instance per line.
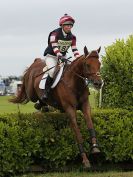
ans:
x=69 y=95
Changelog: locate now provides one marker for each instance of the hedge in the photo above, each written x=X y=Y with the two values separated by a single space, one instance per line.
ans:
x=47 y=140
x=117 y=73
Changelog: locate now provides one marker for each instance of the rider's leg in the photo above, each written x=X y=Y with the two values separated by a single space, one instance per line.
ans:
x=39 y=105
x=49 y=83
x=51 y=62
x=46 y=91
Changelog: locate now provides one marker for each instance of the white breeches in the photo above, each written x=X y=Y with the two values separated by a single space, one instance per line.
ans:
x=51 y=61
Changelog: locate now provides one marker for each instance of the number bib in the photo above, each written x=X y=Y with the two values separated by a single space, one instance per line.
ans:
x=64 y=45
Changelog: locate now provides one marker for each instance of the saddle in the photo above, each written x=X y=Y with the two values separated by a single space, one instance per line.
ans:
x=57 y=76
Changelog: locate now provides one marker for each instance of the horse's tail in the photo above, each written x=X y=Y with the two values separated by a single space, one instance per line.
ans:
x=21 y=96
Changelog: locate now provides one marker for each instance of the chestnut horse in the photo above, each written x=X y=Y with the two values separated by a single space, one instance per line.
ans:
x=70 y=94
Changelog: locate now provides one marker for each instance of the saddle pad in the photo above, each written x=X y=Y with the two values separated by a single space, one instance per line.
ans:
x=58 y=77
x=42 y=83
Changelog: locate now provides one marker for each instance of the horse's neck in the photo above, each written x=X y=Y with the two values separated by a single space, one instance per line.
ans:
x=74 y=74
x=76 y=67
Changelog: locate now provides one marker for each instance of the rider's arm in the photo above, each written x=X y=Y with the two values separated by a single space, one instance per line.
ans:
x=54 y=44
x=74 y=48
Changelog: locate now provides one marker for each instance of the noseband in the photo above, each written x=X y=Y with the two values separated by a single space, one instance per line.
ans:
x=86 y=71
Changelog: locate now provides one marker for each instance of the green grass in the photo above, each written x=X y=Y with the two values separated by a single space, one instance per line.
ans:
x=83 y=174
x=7 y=107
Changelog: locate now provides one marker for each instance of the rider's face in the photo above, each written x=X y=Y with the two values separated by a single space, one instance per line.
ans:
x=67 y=28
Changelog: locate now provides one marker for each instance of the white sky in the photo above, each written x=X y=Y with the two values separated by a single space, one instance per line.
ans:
x=25 y=25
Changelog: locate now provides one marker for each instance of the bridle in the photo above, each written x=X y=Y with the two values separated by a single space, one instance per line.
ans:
x=86 y=72
x=86 y=80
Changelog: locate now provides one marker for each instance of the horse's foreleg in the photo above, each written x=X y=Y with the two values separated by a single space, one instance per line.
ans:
x=87 y=115
x=71 y=112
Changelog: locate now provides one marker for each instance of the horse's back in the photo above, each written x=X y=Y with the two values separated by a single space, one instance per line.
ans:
x=32 y=78
x=36 y=69
x=37 y=66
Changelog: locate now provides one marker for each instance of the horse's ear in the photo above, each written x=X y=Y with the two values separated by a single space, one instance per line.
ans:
x=86 y=51
x=99 y=49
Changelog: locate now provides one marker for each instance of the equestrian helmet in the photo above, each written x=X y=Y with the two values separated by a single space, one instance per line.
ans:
x=66 y=20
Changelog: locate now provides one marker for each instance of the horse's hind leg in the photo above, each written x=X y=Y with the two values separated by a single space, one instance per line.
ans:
x=71 y=112
x=87 y=115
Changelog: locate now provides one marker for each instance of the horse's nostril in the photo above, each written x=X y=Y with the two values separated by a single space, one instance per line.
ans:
x=98 y=83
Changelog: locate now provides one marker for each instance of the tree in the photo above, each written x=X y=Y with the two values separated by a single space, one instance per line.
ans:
x=117 y=73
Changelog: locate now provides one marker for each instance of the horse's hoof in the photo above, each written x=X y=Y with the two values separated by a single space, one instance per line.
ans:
x=37 y=106
x=86 y=164
x=45 y=109
x=95 y=150
x=62 y=111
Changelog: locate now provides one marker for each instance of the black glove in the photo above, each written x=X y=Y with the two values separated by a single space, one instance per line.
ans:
x=64 y=60
x=59 y=57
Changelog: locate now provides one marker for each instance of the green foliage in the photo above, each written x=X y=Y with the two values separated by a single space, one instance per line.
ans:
x=115 y=134
x=15 y=148
x=117 y=73
x=47 y=140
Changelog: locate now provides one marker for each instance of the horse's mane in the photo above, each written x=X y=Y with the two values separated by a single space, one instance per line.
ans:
x=77 y=59
x=70 y=66
x=93 y=53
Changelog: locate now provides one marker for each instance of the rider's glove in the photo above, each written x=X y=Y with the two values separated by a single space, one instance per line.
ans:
x=64 y=60
x=59 y=56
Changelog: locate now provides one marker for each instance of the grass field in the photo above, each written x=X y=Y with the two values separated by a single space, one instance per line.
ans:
x=7 y=107
x=83 y=174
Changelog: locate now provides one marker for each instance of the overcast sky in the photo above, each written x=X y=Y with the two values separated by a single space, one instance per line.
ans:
x=25 y=25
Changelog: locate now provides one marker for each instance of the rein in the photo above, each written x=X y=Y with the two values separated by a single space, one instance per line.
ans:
x=79 y=75
x=53 y=67
x=86 y=71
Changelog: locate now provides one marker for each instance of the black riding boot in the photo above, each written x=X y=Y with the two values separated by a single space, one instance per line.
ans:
x=49 y=83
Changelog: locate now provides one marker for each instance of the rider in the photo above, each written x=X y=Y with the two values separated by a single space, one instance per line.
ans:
x=59 y=41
